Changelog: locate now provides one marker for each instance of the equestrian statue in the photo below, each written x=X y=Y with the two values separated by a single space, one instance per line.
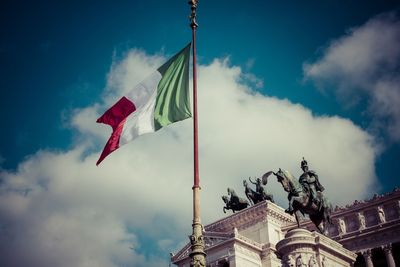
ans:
x=234 y=203
x=305 y=196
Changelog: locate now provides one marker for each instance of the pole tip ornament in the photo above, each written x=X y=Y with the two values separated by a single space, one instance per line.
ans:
x=192 y=17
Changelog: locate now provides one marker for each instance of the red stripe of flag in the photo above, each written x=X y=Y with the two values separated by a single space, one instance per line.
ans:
x=115 y=117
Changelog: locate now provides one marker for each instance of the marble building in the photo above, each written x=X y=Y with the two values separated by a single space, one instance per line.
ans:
x=364 y=233
x=369 y=228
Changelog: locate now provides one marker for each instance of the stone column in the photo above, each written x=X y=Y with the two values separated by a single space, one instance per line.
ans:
x=389 y=256
x=368 y=258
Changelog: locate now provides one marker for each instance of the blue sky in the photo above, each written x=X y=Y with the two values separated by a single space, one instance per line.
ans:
x=62 y=63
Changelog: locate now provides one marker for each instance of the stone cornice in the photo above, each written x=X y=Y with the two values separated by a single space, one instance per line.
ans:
x=358 y=205
x=248 y=242
x=250 y=216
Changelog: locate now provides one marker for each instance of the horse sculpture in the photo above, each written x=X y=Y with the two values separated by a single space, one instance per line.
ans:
x=235 y=203
x=259 y=195
x=300 y=201
x=260 y=191
x=250 y=193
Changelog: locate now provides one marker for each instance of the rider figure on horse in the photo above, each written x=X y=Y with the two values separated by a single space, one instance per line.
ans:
x=234 y=203
x=309 y=180
x=259 y=188
x=234 y=197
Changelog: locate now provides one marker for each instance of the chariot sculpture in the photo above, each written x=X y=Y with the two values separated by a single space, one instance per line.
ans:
x=260 y=194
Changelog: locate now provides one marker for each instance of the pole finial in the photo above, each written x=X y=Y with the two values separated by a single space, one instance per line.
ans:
x=192 y=17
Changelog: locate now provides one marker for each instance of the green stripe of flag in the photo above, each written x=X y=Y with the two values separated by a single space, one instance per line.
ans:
x=173 y=101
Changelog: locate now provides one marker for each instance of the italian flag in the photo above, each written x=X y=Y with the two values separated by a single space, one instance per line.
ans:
x=159 y=100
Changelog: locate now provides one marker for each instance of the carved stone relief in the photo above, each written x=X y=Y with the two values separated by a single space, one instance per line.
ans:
x=312 y=262
x=341 y=226
x=300 y=261
x=361 y=221
x=381 y=215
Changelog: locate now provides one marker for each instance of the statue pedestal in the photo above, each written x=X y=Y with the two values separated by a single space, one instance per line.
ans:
x=301 y=247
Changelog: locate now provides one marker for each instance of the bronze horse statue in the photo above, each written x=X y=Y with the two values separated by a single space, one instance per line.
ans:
x=235 y=203
x=260 y=194
x=250 y=193
x=300 y=201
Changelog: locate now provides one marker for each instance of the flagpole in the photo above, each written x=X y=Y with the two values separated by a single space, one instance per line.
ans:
x=197 y=255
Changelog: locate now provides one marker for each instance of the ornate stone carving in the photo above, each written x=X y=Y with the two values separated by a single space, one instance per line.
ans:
x=324 y=262
x=197 y=255
x=381 y=215
x=341 y=226
x=303 y=245
x=300 y=262
x=198 y=261
x=312 y=262
x=361 y=221
x=288 y=261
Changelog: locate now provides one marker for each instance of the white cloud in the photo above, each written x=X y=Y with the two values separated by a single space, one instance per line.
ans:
x=364 y=64
x=59 y=209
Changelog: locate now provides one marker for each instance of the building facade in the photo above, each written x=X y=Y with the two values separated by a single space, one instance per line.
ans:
x=366 y=233
x=369 y=228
